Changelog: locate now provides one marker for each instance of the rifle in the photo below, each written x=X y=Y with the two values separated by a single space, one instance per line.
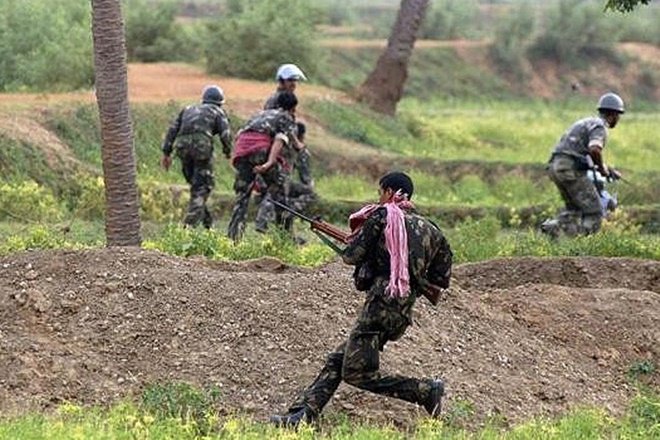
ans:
x=319 y=227
x=322 y=229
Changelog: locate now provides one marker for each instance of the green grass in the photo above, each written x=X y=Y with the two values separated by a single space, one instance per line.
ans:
x=189 y=415
x=471 y=240
x=511 y=132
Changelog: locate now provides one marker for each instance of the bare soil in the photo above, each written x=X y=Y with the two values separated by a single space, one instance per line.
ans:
x=515 y=337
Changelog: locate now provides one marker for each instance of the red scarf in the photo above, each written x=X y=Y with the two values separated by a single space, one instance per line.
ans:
x=396 y=240
x=249 y=142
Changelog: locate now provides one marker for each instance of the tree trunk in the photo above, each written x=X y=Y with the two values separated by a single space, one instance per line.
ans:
x=383 y=89
x=122 y=220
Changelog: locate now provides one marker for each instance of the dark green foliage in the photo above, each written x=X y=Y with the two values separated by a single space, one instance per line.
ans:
x=264 y=34
x=573 y=33
x=180 y=400
x=641 y=368
x=45 y=45
x=512 y=37
x=451 y=19
x=625 y=5
x=152 y=34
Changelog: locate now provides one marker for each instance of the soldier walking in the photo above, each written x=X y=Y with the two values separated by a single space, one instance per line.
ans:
x=191 y=135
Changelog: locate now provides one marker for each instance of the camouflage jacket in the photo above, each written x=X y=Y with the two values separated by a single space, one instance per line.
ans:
x=276 y=124
x=429 y=254
x=206 y=119
x=583 y=134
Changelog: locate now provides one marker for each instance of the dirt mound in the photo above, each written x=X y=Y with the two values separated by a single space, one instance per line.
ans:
x=514 y=337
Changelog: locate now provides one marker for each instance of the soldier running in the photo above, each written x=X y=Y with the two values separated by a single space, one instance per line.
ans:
x=398 y=256
x=264 y=147
x=579 y=150
x=191 y=135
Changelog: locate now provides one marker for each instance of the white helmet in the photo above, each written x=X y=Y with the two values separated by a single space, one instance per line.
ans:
x=290 y=72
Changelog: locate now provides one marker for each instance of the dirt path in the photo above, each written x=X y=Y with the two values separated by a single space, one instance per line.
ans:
x=516 y=337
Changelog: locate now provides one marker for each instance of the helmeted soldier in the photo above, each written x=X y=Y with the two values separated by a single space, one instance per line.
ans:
x=399 y=255
x=191 y=136
x=264 y=146
x=287 y=77
x=579 y=150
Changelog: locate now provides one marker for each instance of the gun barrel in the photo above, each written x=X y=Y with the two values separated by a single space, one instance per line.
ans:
x=292 y=211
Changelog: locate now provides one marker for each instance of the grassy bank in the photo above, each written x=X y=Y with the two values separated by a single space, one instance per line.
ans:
x=195 y=420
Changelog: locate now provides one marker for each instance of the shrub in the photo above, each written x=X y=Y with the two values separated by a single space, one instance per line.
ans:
x=512 y=37
x=90 y=201
x=28 y=202
x=213 y=244
x=45 y=45
x=450 y=19
x=152 y=34
x=573 y=31
x=252 y=42
x=182 y=401
x=36 y=237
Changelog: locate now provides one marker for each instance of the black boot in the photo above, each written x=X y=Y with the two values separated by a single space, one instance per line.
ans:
x=292 y=420
x=432 y=402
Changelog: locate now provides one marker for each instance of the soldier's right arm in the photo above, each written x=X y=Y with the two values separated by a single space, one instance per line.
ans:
x=172 y=132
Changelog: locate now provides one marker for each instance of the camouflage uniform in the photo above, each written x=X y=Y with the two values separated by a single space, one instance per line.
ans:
x=382 y=319
x=275 y=123
x=568 y=167
x=191 y=135
x=301 y=194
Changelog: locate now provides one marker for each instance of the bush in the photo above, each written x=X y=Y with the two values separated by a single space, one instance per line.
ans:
x=573 y=31
x=213 y=244
x=152 y=34
x=512 y=37
x=36 y=237
x=45 y=45
x=182 y=401
x=28 y=202
x=252 y=42
x=450 y=19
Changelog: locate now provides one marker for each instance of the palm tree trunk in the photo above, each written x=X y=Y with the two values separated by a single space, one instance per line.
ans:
x=383 y=89
x=122 y=220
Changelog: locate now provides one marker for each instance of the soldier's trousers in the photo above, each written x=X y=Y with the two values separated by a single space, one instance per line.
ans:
x=582 y=213
x=300 y=197
x=276 y=179
x=199 y=175
x=356 y=361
